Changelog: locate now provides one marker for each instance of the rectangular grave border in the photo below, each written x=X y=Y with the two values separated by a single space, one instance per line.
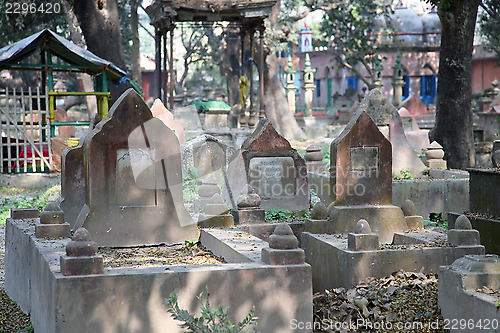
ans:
x=333 y=265
x=129 y=299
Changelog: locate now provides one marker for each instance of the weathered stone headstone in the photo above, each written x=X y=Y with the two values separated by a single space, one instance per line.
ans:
x=361 y=183
x=207 y=154
x=387 y=118
x=73 y=190
x=161 y=112
x=274 y=169
x=133 y=184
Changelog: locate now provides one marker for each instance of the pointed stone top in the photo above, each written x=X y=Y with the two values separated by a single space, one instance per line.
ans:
x=362 y=227
x=247 y=189
x=408 y=208
x=216 y=199
x=403 y=112
x=52 y=206
x=265 y=138
x=463 y=223
x=378 y=108
x=319 y=211
x=81 y=234
x=159 y=108
x=434 y=145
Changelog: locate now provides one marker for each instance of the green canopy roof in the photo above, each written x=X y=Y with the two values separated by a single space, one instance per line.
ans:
x=74 y=55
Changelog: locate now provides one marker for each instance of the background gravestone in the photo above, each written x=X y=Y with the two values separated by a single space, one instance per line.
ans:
x=133 y=179
x=389 y=122
x=274 y=169
x=361 y=183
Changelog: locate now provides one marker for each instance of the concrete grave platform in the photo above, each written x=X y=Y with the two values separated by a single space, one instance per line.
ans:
x=459 y=298
x=131 y=299
x=489 y=230
x=334 y=265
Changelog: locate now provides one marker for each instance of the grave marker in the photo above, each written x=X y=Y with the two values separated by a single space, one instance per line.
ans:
x=133 y=185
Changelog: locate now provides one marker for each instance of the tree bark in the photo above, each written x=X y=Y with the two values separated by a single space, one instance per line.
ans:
x=453 y=128
x=100 y=25
x=230 y=64
x=76 y=38
x=136 y=53
x=276 y=104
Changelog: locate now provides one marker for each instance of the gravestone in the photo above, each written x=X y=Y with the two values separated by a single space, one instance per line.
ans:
x=361 y=183
x=161 y=112
x=273 y=168
x=387 y=118
x=207 y=154
x=73 y=190
x=133 y=184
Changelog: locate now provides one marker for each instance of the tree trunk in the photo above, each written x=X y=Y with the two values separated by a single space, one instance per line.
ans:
x=100 y=25
x=276 y=104
x=76 y=38
x=136 y=53
x=230 y=64
x=453 y=129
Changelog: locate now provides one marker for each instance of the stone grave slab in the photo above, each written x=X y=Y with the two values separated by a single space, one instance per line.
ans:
x=133 y=183
x=273 y=168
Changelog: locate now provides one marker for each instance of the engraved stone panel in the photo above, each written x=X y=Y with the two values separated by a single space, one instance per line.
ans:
x=272 y=176
x=135 y=177
x=364 y=159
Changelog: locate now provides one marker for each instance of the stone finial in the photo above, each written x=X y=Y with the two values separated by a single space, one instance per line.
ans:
x=81 y=258
x=362 y=227
x=283 y=248
x=362 y=239
x=413 y=221
x=81 y=245
x=319 y=211
x=435 y=154
x=208 y=188
x=283 y=238
x=408 y=208
x=52 y=214
x=52 y=223
x=313 y=154
x=463 y=223
x=248 y=198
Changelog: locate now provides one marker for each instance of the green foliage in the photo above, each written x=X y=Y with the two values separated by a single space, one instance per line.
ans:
x=190 y=184
x=353 y=33
x=15 y=27
x=426 y=172
x=212 y=319
x=273 y=214
x=402 y=175
x=489 y=22
x=436 y=220
x=16 y=198
x=497 y=304
x=191 y=242
x=326 y=153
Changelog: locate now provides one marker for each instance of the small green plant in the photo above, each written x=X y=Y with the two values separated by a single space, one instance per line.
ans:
x=497 y=304
x=403 y=174
x=326 y=154
x=436 y=220
x=191 y=242
x=212 y=319
x=273 y=214
x=426 y=172
x=190 y=184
